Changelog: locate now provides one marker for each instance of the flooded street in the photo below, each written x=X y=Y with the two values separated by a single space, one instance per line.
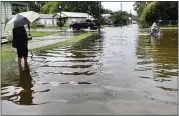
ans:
x=119 y=73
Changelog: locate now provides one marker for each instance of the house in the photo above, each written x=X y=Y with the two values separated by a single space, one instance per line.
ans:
x=68 y=17
x=6 y=14
x=47 y=20
x=106 y=15
x=107 y=19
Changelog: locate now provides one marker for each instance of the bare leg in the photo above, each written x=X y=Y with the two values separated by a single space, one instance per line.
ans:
x=19 y=64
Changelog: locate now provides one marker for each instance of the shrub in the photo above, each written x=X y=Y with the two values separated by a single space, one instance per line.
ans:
x=34 y=26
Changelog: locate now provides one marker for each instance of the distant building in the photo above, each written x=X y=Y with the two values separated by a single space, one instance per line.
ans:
x=47 y=20
x=68 y=17
x=106 y=15
x=107 y=19
x=6 y=13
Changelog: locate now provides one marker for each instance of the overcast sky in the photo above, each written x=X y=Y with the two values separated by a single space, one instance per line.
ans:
x=115 y=6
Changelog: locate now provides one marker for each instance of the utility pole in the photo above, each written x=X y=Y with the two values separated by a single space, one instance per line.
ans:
x=121 y=15
x=60 y=7
x=130 y=17
x=99 y=15
x=88 y=11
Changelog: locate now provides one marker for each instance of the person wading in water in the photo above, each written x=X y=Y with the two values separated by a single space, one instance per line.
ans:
x=20 y=42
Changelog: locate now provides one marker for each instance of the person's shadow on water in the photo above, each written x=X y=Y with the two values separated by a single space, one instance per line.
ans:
x=26 y=97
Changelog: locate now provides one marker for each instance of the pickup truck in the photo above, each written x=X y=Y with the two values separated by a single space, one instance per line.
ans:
x=88 y=24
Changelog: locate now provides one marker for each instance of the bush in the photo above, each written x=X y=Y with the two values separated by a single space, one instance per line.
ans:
x=149 y=15
x=60 y=23
x=34 y=26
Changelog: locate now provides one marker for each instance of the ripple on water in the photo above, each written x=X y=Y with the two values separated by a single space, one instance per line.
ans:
x=114 y=55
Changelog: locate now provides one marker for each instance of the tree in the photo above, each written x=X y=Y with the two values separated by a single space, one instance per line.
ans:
x=17 y=9
x=107 y=11
x=155 y=11
x=119 y=18
x=50 y=8
x=139 y=6
x=90 y=7
x=36 y=5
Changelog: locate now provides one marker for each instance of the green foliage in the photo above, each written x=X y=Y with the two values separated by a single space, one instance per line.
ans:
x=18 y=9
x=91 y=7
x=118 y=18
x=139 y=6
x=34 y=26
x=9 y=67
x=108 y=11
x=9 y=38
x=148 y=12
x=41 y=34
x=33 y=6
x=36 y=5
x=50 y=7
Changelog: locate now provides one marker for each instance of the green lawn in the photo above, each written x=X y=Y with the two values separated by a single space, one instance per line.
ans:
x=174 y=27
x=41 y=34
x=7 y=54
x=169 y=27
x=9 y=68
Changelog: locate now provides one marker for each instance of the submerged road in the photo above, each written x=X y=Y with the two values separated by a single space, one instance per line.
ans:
x=120 y=73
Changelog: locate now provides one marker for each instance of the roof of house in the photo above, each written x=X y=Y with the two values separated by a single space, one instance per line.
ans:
x=46 y=16
x=20 y=2
x=106 y=15
x=74 y=14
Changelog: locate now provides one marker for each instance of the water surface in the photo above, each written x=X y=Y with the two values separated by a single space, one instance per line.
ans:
x=121 y=73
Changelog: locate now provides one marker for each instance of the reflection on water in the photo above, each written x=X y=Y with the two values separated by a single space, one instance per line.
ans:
x=26 y=84
x=159 y=55
x=22 y=94
x=24 y=97
x=79 y=59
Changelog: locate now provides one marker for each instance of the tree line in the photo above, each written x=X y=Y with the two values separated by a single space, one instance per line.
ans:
x=93 y=8
x=148 y=12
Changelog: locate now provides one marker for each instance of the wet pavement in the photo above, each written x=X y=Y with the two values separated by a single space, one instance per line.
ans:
x=121 y=73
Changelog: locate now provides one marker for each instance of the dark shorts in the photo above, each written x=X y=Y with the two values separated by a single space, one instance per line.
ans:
x=22 y=52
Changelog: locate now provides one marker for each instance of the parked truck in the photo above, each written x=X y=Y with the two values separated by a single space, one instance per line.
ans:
x=87 y=24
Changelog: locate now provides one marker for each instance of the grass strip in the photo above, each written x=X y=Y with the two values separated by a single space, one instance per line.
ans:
x=41 y=34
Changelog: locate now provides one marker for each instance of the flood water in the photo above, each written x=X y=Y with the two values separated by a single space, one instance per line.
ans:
x=119 y=73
